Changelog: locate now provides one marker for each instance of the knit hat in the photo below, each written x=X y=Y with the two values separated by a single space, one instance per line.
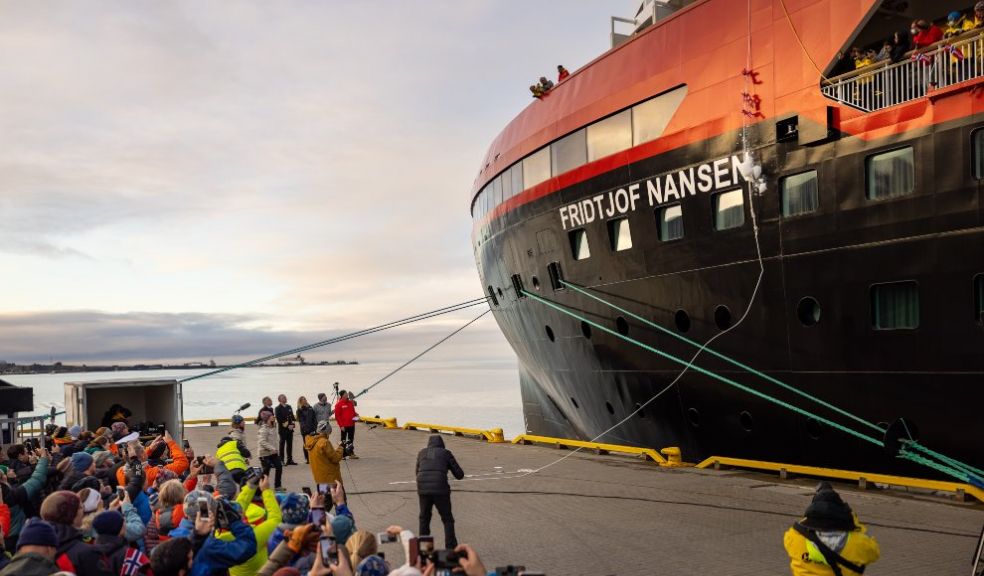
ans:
x=237 y=419
x=342 y=527
x=61 y=507
x=191 y=503
x=294 y=510
x=101 y=457
x=81 y=461
x=165 y=474
x=828 y=511
x=324 y=427
x=104 y=431
x=90 y=499
x=372 y=566
x=979 y=6
x=118 y=428
x=74 y=431
x=108 y=523
x=37 y=533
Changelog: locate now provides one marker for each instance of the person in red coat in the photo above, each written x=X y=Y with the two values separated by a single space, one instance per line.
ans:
x=562 y=73
x=345 y=418
x=925 y=34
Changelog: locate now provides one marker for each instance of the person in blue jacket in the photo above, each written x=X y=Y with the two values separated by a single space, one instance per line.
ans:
x=214 y=556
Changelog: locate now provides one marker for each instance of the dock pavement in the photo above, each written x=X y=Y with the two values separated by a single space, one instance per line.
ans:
x=595 y=515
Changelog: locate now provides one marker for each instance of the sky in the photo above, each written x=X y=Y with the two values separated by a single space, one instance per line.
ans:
x=181 y=180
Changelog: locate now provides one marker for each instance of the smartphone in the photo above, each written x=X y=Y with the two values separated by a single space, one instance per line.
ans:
x=414 y=551
x=385 y=537
x=203 y=507
x=425 y=547
x=120 y=493
x=329 y=551
x=323 y=489
x=306 y=490
x=317 y=516
x=186 y=444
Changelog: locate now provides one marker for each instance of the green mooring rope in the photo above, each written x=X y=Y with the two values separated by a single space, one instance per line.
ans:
x=955 y=470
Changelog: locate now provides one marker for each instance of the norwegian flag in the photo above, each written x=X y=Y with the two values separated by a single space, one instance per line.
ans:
x=955 y=52
x=136 y=562
x=921 y=57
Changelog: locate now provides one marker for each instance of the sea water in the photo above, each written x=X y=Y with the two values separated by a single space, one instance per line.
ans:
x=466 y=393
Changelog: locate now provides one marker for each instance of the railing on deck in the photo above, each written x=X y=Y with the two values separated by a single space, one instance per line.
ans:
x=885 y=84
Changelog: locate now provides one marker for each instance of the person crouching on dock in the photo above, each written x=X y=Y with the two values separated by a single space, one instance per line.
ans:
x=829 y=540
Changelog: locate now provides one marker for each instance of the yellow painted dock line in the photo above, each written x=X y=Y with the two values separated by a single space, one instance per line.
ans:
x=862 y=478
x=599 y=447
x=493 y=436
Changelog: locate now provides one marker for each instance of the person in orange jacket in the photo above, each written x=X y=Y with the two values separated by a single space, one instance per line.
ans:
x=179 y=462
x=829 y=540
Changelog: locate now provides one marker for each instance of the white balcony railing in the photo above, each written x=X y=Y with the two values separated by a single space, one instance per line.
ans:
x=886 y=84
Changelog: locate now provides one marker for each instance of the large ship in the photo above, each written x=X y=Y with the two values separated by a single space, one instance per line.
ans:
x=717 y=175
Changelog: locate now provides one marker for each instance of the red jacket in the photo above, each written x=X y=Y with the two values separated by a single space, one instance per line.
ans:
x=927 y=37
x=344 y=412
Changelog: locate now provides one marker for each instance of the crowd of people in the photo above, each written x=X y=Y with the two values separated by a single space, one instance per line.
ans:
x=544 y=85
x=110 y=502
x=921 y=34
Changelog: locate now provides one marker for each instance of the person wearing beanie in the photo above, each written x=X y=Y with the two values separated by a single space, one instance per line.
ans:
x=372 y=566
x=214 y=555
x=264 y=521
x=178 y=465
x=92 y=506
x=36 y=550
x=829 y=540
x=81 y=467
x=111 y=543
x=64 y=511
x=294 y=509
x=324 y=457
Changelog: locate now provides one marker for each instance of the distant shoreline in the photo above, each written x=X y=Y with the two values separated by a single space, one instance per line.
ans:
x=59 y=368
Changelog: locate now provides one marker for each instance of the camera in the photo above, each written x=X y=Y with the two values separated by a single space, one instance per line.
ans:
x=205 y=469
x=347 y=448
x=445 y=559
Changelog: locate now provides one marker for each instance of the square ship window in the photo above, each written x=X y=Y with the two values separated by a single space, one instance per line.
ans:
x=619 y=234
x=890 y=174
x=579 y=244
x=669 y=220
x=729 y=210
x=799 y=193
x=895 y=306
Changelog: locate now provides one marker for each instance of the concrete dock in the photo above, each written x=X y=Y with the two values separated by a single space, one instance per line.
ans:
x=596 y=515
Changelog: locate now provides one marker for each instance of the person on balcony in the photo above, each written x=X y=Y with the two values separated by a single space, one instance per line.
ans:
x=957 y=24
x=900 y=45
x=562 y=73
x=925 y=34
x=979 y=15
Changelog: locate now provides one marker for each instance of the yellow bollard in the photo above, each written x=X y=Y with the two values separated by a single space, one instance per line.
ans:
x=673 y=456
x=495 y=436
x=389 y=423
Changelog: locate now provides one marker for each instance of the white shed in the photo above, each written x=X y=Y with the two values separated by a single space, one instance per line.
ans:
x=149 y=400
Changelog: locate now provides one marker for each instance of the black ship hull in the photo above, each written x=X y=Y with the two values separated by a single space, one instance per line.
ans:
x=578 y=383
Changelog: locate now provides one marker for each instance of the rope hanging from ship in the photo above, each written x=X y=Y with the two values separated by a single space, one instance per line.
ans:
x=897 y=440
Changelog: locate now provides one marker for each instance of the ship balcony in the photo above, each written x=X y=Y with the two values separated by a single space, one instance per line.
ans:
x=886 y=84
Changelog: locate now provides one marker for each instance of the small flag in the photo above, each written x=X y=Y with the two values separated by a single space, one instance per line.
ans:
x=136 y=562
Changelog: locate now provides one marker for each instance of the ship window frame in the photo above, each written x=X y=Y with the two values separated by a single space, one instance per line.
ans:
x=716 y=197
x=572 y=236
x=978 y=295
x=601 y=124
x=660 y=222
x=868 y=159
x=977 y=151
x=579 y=136
x=873 y=316
x=782 y=194
x=615 y=234
x=529 y=179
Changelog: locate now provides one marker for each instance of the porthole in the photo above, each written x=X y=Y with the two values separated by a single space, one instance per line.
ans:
x=746 y=420
x=641 y=410
x=536 y=283
x=586 y=329
x=574 y=402
x=722 y=317
x=682 y=320
x=550 y=333
x=694 y=416
x=611 y=410
x=813 y=428
x=622 y=326
x=808 y=311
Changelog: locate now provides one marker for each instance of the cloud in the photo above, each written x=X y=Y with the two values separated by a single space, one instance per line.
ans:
x=100 y=338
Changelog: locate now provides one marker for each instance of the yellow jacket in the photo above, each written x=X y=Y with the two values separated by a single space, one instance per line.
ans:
x=230 y=456
x=261 y=531
x=806 y=560
x=324 y=459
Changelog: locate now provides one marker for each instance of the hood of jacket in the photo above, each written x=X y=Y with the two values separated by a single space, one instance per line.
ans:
x=435 y=441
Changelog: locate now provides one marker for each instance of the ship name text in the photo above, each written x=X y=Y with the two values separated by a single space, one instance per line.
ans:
x=657 y=190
